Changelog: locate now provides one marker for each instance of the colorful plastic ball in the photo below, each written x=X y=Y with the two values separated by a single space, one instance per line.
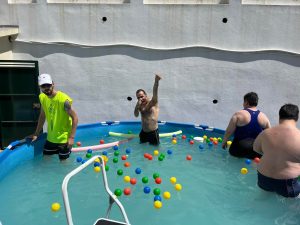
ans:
x=104 y=153
x=188 y=157
x=55 y=207
x=146 y=155
x=248 y=161
x=78 y=159
x=228 y=143
x=120 y=172
x=169 y=152
x=83 y=161
x=157 y=204
x=89 y=151
x=145 y=180
x=127 y=191
x=156 y=191
x=105 y=158
x=201 y=146
x=123 y=157
x=215 y=142
x=178 y=187
x=256 y=160
x=173 y=135
x=147 y=190
x=106 y=168
x=138 y=171
x=127 y=179
x=210 y=144
x=150 y=157
x=133 y=181
x=174 y=142
x=96 y=164
x=115 y=160
x=167 y=195
x=129 y=132
x=97 y=169
x=127 y=164
x=116 y=147
x=128 y=150
x=118 y=192
x=116 y=153
x=97 y=160
x=102 y=142
x=220 y=139
x=173 y=180
x=156 y=152
x=78 y=143
x=160 y=158
x=88 y=155
x=244 y=171
x=183 y=137
x=191 y=142
x=158 y=180
x=155 y=175
x=157 y=198
x=204 y=137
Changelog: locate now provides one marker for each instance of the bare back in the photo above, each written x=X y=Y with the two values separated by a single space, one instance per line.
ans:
x=281 y=152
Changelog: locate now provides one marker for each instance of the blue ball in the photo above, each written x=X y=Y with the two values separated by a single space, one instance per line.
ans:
x=96 y=164
x=78 y=159
x=104 y=153
x=210 y=144
x=83 y=161
x=128 y=150
x=201 y=146
x=157 y=198
x=248 y=161
x=138 y=170
x=174 y=135
x=169 y=152
x=147 y=190
x=116 y=147
x=89 y=151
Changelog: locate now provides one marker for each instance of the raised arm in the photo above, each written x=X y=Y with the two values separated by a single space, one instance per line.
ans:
x=154 y=99
x=230 y=130
x=74 y=117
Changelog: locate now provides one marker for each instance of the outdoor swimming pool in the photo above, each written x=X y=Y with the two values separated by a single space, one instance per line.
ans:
x=214 y=192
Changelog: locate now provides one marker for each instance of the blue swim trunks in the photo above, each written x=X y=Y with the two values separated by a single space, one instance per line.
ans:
x=285 y=187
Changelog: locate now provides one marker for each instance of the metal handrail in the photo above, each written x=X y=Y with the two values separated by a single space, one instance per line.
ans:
x=113 y=197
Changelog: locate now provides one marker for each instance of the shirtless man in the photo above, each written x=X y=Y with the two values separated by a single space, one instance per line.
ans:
x=245 y=124
x=279 y=166
x=149 y=114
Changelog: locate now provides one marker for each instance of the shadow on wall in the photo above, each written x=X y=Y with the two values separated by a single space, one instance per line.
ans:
x=39 y=50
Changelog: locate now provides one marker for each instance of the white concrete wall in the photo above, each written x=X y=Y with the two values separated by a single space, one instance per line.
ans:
x=201 y=58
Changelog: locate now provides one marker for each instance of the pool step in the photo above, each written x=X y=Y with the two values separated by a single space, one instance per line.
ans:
x=104 y=221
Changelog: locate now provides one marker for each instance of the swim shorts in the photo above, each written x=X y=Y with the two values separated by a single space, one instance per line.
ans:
x=284 y=187
x=243 y=148
x=152 y=137
x=62 y=150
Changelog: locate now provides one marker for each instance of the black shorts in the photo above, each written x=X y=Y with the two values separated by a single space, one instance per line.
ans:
x=62 y=150
x=283 y=187
x=243 y=149
x=152 y=137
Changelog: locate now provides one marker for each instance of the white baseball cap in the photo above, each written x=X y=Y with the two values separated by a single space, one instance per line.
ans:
x=44 y=79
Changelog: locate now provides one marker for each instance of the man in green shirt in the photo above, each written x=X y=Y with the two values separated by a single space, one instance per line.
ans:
x=61 y=119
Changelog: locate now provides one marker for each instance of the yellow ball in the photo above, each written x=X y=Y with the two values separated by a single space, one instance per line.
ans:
x=229 y=143
x=97 y=160
x=127 y=179
x=204 y=137
x=174 y=142
x=55 y=207
x=173 y=180
x=167 y=195
x=156 y=152
x=105 y=158
x=178 y=187
x=244 y=171
x=157 y=204
x=97 y=169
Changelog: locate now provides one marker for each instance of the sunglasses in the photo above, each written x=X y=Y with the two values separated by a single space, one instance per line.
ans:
x=46 y=86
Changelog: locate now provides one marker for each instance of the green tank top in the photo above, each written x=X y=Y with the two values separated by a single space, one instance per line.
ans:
x=59 y=121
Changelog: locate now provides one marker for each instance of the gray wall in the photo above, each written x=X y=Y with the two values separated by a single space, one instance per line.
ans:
x=99 y=64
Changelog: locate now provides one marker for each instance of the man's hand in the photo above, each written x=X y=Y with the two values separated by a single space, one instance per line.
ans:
x=157 y=77
x=224 y=144
x=33 y=137
x=70 y=142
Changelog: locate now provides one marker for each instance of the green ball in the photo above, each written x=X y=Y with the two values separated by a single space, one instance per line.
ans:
x=116 y=153
x=156 y=191
x=129 y=132
x=88 y=155
x=160 y=158
x=118 y=192
x=145 y=180
x=106 y=168
x=115 y=160
x=192 y=137
x=155 y=175
x=120 y=172
x=162 y=155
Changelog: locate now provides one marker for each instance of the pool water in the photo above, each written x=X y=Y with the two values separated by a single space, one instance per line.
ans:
x=214 y=191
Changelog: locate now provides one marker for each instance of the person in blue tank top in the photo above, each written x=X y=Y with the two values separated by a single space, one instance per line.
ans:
x=245 y=125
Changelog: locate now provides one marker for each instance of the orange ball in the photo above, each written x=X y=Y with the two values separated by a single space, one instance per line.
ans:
x=127 y=164
x=256 y=160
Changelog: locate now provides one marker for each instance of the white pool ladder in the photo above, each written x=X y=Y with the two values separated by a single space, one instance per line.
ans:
x=112 y=197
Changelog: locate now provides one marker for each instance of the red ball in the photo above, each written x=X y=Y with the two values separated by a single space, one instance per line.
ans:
x=78 y=143
x=256 y=160
x=188 y=157
x=133 y=181
x=146 y=155
x=191 y=142
x=150 y=157
x=101 y=141
x=158 y=180
x=183 y=137
x=127 y=191
x=215 y=142
x=124 y=157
